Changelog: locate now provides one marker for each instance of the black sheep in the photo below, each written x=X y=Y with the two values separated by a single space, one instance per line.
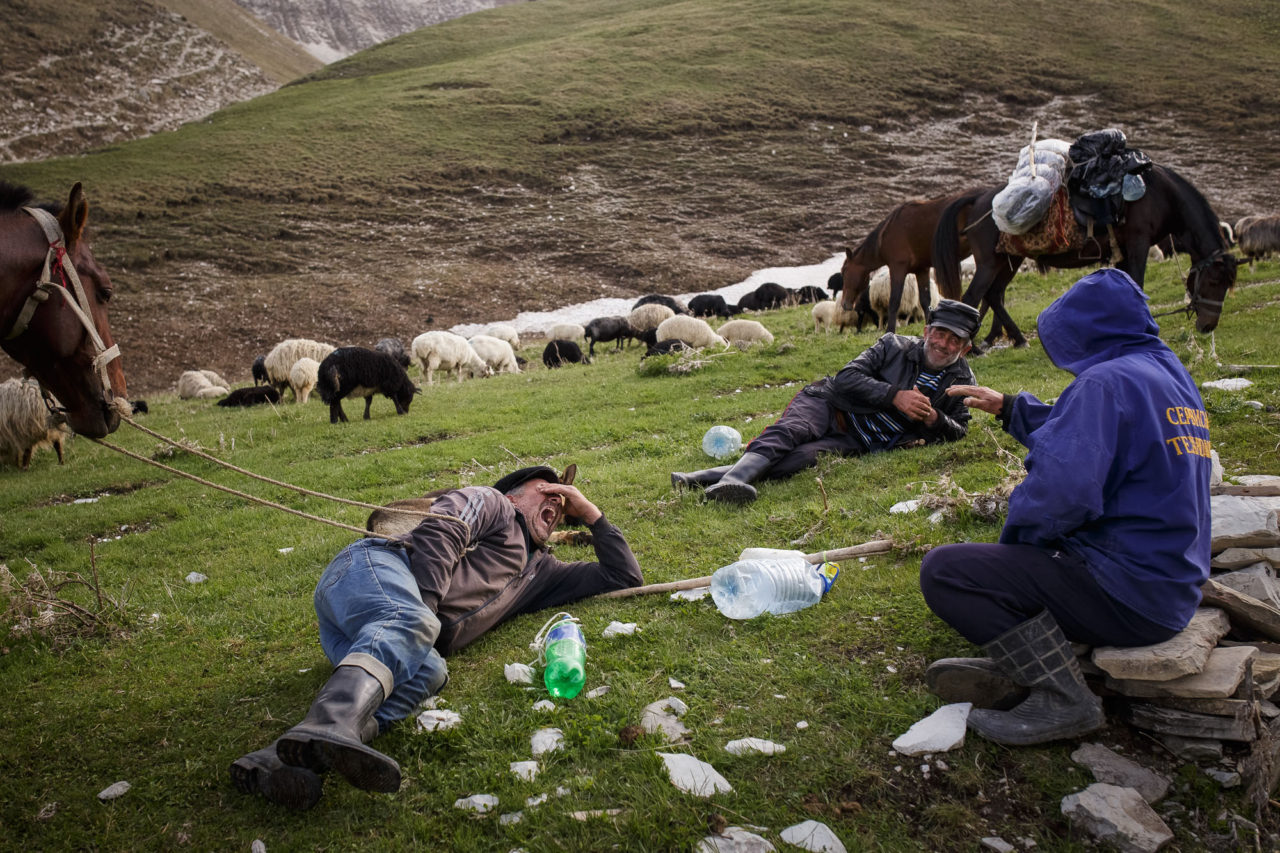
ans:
x=139 y=407
x=260 y=371
x=709 y=305
x=251 y=396
x=835 y=283
x=809 y=294
x=393 y=347
x=666 y=347
x=771 y=295
x=658 y=299
x=359 y=372
x=557 y=353
x=605 y=329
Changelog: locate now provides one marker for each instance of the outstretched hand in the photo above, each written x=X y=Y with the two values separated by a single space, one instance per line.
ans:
x=979 y=397
x=575 y=503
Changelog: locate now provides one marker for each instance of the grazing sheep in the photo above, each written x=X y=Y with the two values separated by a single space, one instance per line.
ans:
x=1155 y=255
x=557 y=353
x=139 y=407
x=827 y=314
x=771 y=295
x=666 y=347
x=393 y=347
x=359 y=372
x=306 y=371
x=745 y=332
x=497 y=354
x=968 y=269
x=503 y=332
x=196 y=383
x=909 y=311
x=835 y=283
x=808 y=295
x=605 y=329
x=284 y=354
x=690 y=329
x=26 y=424
x=709 y=305
x=676 y=306
x=1258 y=236
x=648 y=317
x=447 y=351
x=252 y=395
x=567 y=332
x=260 y=370
x=215 y=378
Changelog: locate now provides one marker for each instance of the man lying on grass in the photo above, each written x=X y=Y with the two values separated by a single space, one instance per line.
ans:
x=892 y=395
x=390 y=608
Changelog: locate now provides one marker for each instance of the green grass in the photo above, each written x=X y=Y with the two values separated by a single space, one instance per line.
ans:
x=207 y=672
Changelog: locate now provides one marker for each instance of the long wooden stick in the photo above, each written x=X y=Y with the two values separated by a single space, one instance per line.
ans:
x=875 y=546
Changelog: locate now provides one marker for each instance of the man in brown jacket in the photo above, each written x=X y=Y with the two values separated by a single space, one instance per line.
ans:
x=389 y=608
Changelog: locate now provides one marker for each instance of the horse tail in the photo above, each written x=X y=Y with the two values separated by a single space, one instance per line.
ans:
x=946 y=245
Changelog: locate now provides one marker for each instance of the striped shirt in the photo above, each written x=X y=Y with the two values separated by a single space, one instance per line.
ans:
x=881 y=430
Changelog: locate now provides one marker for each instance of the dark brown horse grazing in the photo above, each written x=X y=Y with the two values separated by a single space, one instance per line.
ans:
x=903 y=241
x=1171 y=207
x=39 y=324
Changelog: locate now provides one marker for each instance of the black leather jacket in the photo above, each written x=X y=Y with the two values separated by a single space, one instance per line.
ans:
x=892 y=364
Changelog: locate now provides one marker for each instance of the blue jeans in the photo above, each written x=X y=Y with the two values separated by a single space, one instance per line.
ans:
x=371 y=615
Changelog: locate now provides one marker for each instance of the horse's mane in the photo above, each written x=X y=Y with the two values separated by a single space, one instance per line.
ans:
x=14 y=196
x=1196 y=211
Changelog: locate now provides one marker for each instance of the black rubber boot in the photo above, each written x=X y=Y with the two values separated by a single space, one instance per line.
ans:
x=263 y=772
x=705 y=477
x=735 y=485
x=331 y=735
x=977 y=680
x=1060 y=705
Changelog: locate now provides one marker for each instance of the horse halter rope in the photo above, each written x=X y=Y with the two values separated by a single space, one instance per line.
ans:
x=1193 y=286
x=56 y=259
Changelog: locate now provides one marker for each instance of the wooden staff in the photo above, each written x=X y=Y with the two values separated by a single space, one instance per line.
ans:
x=875 y=546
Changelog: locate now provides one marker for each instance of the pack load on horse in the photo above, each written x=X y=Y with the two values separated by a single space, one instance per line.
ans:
x=1042 y=168
x=64 y=342
x=1115 y=205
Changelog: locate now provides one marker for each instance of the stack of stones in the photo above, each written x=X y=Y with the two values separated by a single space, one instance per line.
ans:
x=1206 y=694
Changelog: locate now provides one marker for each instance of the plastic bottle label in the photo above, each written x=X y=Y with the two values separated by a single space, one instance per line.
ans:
x=828 y=572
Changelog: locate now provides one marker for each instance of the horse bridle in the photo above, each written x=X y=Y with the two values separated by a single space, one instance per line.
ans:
x=1193 y=285
x=69 y=282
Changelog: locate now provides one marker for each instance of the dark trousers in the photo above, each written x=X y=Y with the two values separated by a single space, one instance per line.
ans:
x=806 y=428
x=984 y=590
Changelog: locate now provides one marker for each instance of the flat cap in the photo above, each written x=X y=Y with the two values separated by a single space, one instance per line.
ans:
x=955 y=317
x=535 y=472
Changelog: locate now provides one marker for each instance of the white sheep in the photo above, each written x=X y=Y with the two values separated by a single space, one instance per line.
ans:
x=567 y=332
x=968 y=269
x=649 y=316
x=286 y=353
x=303 y=377
x=447 y=351
x=496 y=353
x=26 y=424
x=909 y=310
x=215 y=379
x=196 y=384
x=827 y=314
x=693 y=331
x=745 y=332
x=503 y=332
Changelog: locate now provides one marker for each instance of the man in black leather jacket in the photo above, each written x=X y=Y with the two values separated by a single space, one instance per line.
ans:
x=892 y=395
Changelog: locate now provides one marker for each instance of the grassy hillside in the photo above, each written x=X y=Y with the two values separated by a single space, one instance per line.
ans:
x=186 y=677
x=280 y=58
x=549 y=152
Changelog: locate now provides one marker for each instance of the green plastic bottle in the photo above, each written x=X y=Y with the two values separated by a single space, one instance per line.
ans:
x=566 y=656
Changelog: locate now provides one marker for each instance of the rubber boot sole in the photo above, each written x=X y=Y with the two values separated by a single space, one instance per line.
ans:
x=294 y=788
x=733 y=493
x=975 y=680
x=1002 y=727
x=362 y=766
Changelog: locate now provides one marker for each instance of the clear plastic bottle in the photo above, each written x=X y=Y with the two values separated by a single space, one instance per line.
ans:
x=721 y=442
x=566 y=659
x=748 y=588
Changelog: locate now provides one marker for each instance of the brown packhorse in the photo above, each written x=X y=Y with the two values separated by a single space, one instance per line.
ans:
x=55 y=328
x=903 y=241
x=1171 y=207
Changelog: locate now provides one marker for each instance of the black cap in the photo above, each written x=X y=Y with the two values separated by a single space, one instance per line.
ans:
x=535 y=472
x=956 y=317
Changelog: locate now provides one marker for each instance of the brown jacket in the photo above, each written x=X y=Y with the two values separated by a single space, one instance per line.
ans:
x=475 y=583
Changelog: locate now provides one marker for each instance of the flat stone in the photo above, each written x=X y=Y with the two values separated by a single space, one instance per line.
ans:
x=1245 y=610
x=1258 y=479
x=735 y=839
x=1257 y=580
x=993 y=842
x=1183 y=654
x=1114 y=769
x=1243 y=522
x=1193 y=749
x=663 y=718
x=693 y=776
x=1239 y=558
x=1222 y=674
x=1154 y=718
x=1119 y=816
x=813 y=836
x=941 y=731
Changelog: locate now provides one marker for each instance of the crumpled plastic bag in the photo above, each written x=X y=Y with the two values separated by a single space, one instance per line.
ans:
x=1025 y=199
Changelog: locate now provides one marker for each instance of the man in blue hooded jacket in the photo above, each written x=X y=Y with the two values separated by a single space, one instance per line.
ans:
x=1107 y=538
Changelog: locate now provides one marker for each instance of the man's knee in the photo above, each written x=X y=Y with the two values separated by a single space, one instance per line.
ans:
x=425 y=627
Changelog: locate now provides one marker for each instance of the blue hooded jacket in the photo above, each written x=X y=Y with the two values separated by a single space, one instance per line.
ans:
x=1118 y=469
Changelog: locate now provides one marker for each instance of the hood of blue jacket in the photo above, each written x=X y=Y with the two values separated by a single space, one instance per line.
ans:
x=1102 y=316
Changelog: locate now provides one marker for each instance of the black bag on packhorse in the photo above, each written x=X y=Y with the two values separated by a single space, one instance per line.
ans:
x=1100 y=163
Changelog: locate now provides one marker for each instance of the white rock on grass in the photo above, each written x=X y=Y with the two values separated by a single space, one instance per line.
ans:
x=438 y=720
x=477 y=803
x=941 y=731
x=1114 y=769
x=691 y=594
x=753 y=744
x=1117 y=815
x=510 y=818
x=526 y=770
x=674 y=684
x=544 y=705
x=662 y=717
x=111 y=792
x=998 y=844
x=518 y=673
x=905 y=506
x=813 y=836
x=196 y=577
x=693 y=776
x=597 y=692
x=1235 y=383
x=546 y=740
x=735 y=839
x=619 y=629
x=258 y=846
